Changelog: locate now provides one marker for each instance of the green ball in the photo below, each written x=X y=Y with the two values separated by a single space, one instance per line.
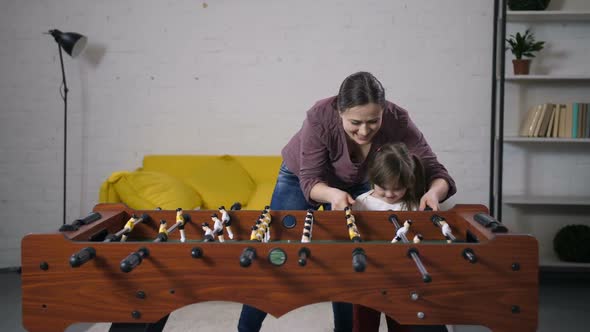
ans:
x=528 y=4
x=572 y=243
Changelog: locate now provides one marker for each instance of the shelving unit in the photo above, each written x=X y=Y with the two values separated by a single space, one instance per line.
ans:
x=545 y=200
x=545 y=140
x=539 y=185
x=559 y=16
x=532 y=78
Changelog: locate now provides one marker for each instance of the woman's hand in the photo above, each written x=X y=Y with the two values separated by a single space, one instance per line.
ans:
x=340 y=199
x=429 y=199
x=323 y=193
x=437 y=192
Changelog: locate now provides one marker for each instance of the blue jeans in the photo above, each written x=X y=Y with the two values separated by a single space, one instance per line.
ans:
x=288 y=195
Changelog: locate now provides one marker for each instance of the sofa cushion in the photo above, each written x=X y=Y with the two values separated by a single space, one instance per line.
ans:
x=143 y=190
x=221 y=181
x=261 y=196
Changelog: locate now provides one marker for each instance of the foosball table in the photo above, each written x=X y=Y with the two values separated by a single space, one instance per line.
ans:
x=459 y=266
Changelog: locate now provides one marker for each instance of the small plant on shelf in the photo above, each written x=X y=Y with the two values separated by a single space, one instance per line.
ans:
x=523 y=45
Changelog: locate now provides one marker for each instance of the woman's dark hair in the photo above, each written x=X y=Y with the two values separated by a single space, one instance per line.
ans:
x=393 y=163
x=359 y=89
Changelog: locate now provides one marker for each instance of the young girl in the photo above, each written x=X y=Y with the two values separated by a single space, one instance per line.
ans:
x=398 y=183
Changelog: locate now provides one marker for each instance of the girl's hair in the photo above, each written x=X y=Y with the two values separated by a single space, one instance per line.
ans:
x=394 y=164
x=359 y=89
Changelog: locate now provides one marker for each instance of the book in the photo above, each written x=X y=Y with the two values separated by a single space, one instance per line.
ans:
x=562 y=120
x=556 y=123
x=548 y=107
x=549 y=131
x=581 y=120
x=549 y=114
x=542 y=118
x=586 y=121
x=533 y=125
x=575 y=118
x=526 y=122
x=569 y=119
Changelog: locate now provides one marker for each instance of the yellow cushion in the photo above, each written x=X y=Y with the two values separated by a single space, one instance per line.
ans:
x=108 y=194
x=147 y=190
x=221 y=181
x=261 y=197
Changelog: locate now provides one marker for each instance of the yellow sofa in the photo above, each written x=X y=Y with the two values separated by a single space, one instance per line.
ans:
x=194 y=181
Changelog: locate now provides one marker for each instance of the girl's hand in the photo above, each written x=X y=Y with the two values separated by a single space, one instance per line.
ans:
x=429 y=199
x=340 y=199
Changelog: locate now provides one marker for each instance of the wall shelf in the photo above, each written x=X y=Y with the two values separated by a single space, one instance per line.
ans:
x=547 y=16
x=552 y=78
x=551 y=263
x=545 y=140
x=546 y=200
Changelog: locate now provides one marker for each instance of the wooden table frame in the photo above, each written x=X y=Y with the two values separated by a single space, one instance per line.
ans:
x=499 y=291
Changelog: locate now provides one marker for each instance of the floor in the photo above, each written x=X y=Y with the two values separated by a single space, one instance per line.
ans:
x=564 y=306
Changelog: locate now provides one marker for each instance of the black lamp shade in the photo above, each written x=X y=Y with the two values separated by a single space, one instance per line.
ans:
x=71 y=42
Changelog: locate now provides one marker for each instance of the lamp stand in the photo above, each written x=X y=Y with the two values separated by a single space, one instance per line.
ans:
x=65 y=99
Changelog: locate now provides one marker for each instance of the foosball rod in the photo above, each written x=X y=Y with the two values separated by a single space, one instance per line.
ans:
x=444 y=226
x=179 y=224
x=441 y=223
x=267 y=219
x=304 y=252
x=307 y=227
x=359 y=258
x=121 y=234
x=412 y=252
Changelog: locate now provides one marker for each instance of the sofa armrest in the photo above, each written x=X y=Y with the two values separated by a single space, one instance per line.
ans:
x=107 y=193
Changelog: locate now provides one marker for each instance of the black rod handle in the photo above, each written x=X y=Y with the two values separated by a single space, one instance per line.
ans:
x=92 y=217
x=490 y=222
x=393 y=219
x=82 y=256
x=469 y=255
x=197 y=252
x=133 y=260
x=436 y=219
x=247 y=256
x=304 y=254
x=359 y=260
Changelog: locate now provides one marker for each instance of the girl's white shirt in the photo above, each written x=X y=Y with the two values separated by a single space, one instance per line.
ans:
x=366 y=202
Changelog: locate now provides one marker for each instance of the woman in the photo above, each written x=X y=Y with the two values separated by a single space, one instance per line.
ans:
x=325 y=163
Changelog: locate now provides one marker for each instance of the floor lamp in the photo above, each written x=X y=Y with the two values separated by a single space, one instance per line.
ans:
x=73 y=43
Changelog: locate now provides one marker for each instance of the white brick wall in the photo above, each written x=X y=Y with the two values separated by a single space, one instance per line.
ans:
x=235 y=77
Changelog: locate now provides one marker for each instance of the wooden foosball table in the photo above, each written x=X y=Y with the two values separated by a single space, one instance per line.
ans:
x=122 y=265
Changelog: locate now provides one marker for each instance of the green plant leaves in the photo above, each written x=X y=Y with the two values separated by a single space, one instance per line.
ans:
x=523 y=45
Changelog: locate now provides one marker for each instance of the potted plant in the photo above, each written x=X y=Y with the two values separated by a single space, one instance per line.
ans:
x=523 y=46
x=528 y=4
